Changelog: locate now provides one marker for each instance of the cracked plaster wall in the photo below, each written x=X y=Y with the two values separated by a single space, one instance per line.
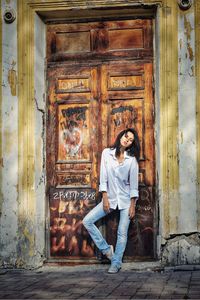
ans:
x=187 y=123
x=182 y=250
x=40 y=105
x=184 y=246
x=9 y=193
x=10 y=222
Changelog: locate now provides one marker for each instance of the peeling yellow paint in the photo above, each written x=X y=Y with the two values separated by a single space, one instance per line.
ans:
x=38 y=154
x=10 y=138
x=180 y=43
x=12 y=80
x=1 y=162
x=188 y=28
x=181 y=137
x=192 y=71
x=190 y=51
x=30 y=239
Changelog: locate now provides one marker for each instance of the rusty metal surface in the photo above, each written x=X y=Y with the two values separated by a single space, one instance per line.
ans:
x=88 y=105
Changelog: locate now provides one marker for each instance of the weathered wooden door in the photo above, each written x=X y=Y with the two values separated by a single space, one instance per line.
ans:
x=99 y=82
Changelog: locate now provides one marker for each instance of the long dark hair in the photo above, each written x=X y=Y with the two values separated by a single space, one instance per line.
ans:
x=133 y=149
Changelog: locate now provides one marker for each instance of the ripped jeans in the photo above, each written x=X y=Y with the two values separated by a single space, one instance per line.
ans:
x=97 y=213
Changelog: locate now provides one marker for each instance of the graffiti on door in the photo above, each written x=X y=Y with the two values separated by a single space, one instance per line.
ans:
x=122 y=116
x=73 y=132
x=67 y=234
x=141 y=229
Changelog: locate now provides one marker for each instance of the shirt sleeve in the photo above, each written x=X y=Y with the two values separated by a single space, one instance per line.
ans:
x=103 y=174
x=134 y=170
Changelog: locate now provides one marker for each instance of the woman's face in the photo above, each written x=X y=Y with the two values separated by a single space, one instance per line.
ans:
x=127 y=139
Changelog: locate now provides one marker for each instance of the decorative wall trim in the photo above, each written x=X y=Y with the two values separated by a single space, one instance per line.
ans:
x=197 y=73
x=26 y=134
x=83 y=4
x=169 y=116
x=168 y=97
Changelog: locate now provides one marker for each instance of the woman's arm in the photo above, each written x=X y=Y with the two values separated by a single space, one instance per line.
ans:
x=134 y=172
x=132 y=207
x=106 y=204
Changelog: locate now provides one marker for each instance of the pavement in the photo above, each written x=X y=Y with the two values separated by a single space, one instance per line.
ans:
x=134 y=281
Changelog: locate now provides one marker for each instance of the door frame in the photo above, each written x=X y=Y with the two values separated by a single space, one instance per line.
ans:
x=166 y=105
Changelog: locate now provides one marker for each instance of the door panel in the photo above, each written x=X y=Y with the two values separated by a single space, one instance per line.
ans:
x=72 y=137
x=127 y=101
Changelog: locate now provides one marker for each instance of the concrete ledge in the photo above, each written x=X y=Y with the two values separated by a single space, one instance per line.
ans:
x=127 y=266
x=183 y=268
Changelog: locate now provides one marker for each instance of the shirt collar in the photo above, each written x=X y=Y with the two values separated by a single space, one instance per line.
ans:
x=113 y=151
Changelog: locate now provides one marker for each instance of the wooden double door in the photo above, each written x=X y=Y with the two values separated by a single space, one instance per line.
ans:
x=90 y=100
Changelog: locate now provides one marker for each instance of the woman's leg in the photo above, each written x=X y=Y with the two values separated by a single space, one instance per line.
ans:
x=122 y=233
x=94 y=215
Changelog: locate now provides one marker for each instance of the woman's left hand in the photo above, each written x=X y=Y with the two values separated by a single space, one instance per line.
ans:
x=132 y=210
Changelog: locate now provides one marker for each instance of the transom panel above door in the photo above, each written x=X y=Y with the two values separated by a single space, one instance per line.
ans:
x=109 y=40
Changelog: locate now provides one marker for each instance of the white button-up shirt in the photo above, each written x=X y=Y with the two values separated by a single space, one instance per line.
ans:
x=119 y=180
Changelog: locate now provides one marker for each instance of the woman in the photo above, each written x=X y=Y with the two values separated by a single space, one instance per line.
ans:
x=119 y=187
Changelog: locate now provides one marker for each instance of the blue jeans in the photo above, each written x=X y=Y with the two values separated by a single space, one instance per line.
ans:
x=97 y=213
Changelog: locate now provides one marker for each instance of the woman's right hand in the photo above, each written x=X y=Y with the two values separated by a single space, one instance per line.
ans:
x=106 y=204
